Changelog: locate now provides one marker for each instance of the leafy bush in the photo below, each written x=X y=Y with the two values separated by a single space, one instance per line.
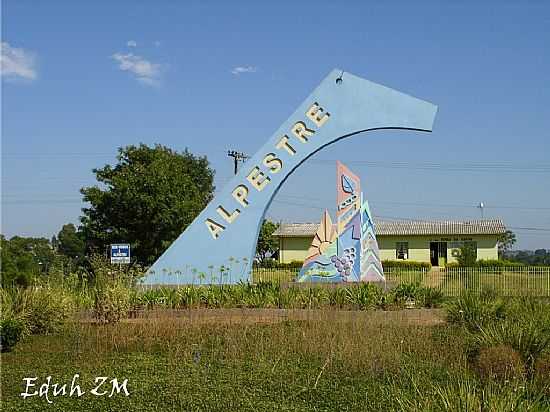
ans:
x=487 y=263
x=273 y=264
x=112 y=293
x=11 y=331
x=406 y=264
x=499 y=362
x=492 y=263
x=432 y=298
x=467 y=254
x=46 y=309
x=111 y=303
x=39 y=309
x=409 y=291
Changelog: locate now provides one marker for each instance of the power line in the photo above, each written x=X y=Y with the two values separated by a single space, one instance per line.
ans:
x=463 y=205
x=6 y=200
x=451 y=167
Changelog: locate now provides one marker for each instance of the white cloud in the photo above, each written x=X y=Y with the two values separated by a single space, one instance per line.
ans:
x=131 y=43
x=244 y=69
x=156 y=43
x=17 y=63
x=145 y=71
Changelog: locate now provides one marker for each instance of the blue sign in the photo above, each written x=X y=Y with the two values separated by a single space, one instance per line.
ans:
x=219 y=246
x=120 y=253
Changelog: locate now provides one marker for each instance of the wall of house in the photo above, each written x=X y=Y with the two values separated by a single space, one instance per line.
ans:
x=295 y=248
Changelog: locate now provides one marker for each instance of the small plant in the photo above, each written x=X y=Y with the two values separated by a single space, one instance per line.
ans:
x=46 y=309
x=406 y=265
x=364 y=296
x=409 y=291
x=432 y=298
x=11 y=331
x=111 y=303
x=112 y=291
x=467 y=254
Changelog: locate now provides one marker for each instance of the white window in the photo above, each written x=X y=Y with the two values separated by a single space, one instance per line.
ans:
x=402 y=250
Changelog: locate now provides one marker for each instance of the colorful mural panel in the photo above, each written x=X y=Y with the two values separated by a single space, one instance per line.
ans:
x=348 y=251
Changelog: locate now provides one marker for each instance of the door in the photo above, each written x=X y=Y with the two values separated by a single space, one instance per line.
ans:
x=438 y=253
x=442 y=260
x=434 y=253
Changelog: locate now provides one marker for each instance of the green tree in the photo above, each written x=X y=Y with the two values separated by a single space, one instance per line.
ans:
x=267 y=243
x=23 y=258
x=467 y=254
x=505 y=242
x=70 y=242
x=147 y=199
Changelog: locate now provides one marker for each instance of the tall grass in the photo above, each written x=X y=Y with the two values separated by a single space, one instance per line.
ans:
x=522 y=324
x=42 y=309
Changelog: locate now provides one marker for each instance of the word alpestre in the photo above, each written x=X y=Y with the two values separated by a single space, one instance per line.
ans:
x=258 y=177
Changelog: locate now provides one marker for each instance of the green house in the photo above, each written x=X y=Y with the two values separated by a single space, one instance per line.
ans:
x=436 y=242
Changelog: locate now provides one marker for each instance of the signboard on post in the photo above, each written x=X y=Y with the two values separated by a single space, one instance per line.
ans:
x=120 y=253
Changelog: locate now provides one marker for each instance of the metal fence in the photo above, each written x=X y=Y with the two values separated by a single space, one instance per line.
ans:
x=506 y=281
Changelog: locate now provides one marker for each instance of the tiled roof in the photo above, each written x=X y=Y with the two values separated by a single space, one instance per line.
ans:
x=409 y=227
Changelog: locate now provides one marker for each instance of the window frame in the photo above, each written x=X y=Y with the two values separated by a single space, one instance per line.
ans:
x=402 y=249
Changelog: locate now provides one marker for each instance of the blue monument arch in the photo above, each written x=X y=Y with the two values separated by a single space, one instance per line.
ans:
x=219 y=246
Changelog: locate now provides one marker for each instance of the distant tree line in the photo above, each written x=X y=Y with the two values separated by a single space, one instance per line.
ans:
x=539 y=257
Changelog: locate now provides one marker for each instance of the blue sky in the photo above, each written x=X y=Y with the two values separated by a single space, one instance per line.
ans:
x=83 y=78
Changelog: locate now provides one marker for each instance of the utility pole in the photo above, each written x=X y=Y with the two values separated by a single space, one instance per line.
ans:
x=237 y=157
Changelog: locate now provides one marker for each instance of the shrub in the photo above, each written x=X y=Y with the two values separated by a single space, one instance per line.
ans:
x=11 y=331
x=273 y=264
x=432 y=298
x=46 y=309
x=111 y=303
x=467 y=254
x=112 y=294
x=406 y=264
x=408 y=291
x=492 y=263
x=499 y=362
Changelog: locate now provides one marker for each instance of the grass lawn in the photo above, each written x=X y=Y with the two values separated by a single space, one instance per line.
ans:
x=254 y=360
